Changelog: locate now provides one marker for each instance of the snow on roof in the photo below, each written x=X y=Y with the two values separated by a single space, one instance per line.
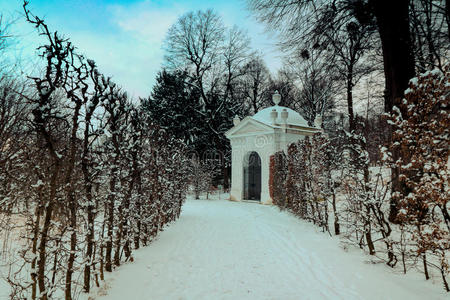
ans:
x=294 y=118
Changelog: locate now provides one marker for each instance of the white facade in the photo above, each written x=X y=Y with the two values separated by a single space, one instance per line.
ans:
x=268 y=131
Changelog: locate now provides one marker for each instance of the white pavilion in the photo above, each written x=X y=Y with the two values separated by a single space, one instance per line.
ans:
x=254 y=140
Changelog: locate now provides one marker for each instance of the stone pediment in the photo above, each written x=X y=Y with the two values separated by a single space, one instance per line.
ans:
x=248 y=126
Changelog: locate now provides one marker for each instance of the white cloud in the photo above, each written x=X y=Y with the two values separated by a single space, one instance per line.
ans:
x=144 y=26
x=128 y=44
x=132 y=53
x=145 y=22
x=132 y=63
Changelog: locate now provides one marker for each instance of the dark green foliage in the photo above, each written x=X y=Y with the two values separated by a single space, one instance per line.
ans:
x=173 y=105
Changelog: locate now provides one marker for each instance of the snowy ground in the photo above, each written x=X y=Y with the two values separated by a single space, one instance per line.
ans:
x=8 y=250
x=4 y=287
x=228 y=250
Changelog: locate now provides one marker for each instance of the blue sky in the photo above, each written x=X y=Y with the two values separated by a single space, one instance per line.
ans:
x=124 y=37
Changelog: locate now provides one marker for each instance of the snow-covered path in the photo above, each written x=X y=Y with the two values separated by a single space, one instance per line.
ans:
x=226 y=250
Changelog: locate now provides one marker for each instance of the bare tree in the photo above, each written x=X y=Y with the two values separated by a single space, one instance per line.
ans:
x=4 y=34
x=194 y=43
x=235 y=53
x=254 y=84
x=429 y=30
x=316 y=85
x=213 y=57
x=62 y=141
x=351 y=44
x=295 y=20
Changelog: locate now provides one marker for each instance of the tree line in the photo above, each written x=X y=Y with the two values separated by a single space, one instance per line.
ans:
x=86 y=175
x=94 y=175
x=210 y=75
x=337 y=57
x=401 y=38
x=327 y=179
x=403 y=207
x=346 y=61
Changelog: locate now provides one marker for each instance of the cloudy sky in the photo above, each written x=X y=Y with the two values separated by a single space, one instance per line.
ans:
x=124 y=37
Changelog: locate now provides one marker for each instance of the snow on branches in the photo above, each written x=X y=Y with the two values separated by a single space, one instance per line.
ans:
x=422 y=141
x=323 y=174
x=95 y=179
x=299 y=180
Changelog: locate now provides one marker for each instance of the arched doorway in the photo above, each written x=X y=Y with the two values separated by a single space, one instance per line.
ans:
x=252 y=177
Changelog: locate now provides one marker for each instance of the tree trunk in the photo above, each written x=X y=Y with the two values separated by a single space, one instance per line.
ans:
x=393 y=26
x=137 y=233
x=34 y=251
x=444 y=280
x=43 y=251
x=368 y=234
x=370 y=243
x=119 y=233
x=73 y=245
x=403 y=262
x=86 y=167
x=125 y=225
x=337 y=230
x=425 y=266
x=102 y=246
x=351 y=117
x=89 y=238
x=48 y=214
x=93 y=266
x=110 y=220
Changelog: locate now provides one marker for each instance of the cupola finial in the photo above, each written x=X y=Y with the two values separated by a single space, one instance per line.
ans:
x=318 y=121
x=276 y=98
x=236 y=120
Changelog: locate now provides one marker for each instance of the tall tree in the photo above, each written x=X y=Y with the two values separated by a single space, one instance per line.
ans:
x=316 y=85
x=254 y=85
x=393 y=26
x=194 y=43
x=430 y=33
x=348 y=43
x=212 y=56
x=173 y=105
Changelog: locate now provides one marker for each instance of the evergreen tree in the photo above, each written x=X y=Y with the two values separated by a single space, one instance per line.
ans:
x=173 y=105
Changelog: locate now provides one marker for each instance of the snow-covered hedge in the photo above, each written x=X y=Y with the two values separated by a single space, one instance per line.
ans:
x=320 y=175
x=90 y=180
